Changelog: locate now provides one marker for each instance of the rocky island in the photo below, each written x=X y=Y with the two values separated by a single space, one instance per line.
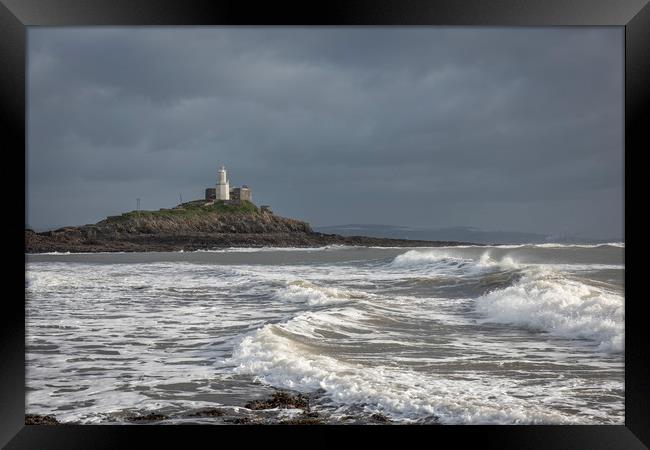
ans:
x=196 y=225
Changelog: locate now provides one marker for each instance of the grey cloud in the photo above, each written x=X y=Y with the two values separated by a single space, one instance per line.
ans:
x=333 y=125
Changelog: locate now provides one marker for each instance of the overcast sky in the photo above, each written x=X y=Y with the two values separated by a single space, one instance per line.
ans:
x=498 y=128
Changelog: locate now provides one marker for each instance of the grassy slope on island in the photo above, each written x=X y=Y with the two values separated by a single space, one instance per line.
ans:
x=190 y=209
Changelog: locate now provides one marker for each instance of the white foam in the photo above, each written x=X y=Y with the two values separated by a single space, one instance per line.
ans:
x=444 y=263
x=548 y=301
x=406 y=395
x=450 y=262
x=506 y=262
x=555 y=245
x=417 y=257
x=275 y=249
x=531 y=245
x=314 y=294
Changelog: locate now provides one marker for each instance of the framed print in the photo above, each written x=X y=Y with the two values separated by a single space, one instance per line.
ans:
x=402 y=220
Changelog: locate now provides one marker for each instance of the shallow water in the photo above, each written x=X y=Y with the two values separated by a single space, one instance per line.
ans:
x=472 y=335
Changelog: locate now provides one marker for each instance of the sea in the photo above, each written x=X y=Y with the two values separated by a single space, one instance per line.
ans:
x=518 y=334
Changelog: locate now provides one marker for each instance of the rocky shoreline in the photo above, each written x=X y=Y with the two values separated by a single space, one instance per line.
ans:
x=282 y=408
x=73 y=240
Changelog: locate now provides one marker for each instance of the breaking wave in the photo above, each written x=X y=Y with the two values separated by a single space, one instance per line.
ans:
x=549 y=301
x=277 y=355
x=314 y=294
x=442 y=262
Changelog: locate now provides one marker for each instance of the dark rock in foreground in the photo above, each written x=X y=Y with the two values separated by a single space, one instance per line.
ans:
x=208 y=412
x=147 y=418
x=379 y=418
x=37 y=419
x=281 y=400
x=302 y=421
x=240 y=421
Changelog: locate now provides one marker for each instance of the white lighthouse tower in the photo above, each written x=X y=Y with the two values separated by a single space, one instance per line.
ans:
x=223 y=186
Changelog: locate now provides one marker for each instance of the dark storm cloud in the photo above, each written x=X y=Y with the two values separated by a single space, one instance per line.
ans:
x=495 y=128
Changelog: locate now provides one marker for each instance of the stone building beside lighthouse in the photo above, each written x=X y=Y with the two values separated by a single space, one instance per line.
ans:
x=223 y=192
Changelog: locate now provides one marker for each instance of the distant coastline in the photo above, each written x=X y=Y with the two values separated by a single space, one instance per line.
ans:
x=466 y=234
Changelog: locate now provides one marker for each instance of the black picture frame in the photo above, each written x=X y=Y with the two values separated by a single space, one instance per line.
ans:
x=16 y=15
